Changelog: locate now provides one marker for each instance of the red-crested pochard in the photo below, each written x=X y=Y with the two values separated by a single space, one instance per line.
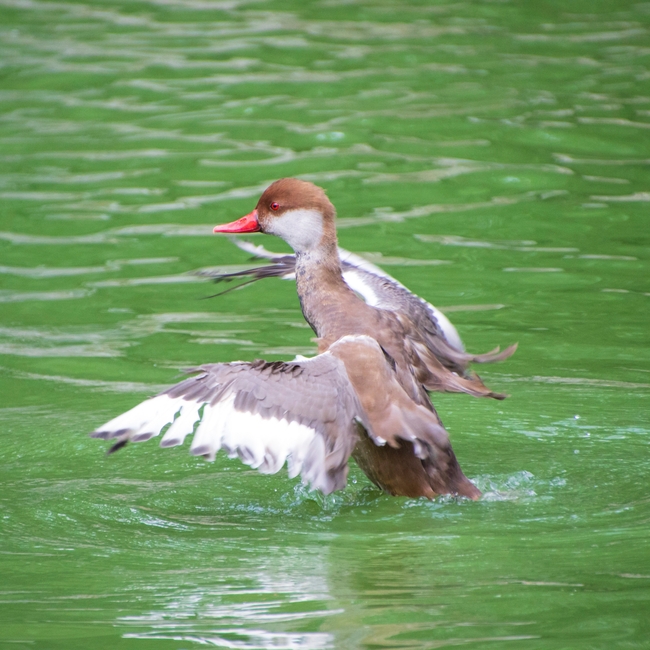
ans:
x=378 y=289
x=373 y=284
x=364 y=395
x=300 y=213
x=314 y=414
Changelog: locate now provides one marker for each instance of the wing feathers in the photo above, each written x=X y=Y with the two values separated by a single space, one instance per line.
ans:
x=267 y=414
x=182 y=425
x=428 y=327
x=148 y=417
x=208 y=436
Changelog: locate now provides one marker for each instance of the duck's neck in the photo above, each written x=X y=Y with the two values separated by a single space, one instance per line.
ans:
x=324 y=295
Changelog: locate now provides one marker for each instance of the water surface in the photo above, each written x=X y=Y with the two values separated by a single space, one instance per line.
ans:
x=492 y=156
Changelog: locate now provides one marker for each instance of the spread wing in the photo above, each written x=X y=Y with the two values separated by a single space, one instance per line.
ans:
x=374 y=285
x=266 y=413
x=437 y=344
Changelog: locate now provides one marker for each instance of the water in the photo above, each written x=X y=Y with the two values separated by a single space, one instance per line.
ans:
x=493 y=156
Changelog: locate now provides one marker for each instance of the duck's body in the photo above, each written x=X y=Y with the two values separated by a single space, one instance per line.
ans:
x=374 y=285
x=365 y=394
x=314 y=414
x=333 y=311
x=305 y=218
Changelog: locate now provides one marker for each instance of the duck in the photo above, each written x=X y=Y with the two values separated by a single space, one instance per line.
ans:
x=368 y=280
x=365 y=395
x=312 y=414
x=375 y=287
x=300 y=213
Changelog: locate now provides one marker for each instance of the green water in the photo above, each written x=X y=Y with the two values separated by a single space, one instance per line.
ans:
x=492 y=156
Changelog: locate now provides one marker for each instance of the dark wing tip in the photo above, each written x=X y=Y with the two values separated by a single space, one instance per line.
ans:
x=202 y=450
x=108 y=435
x=117 y=446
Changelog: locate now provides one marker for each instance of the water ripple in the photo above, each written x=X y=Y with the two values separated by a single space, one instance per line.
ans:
x=516 y=133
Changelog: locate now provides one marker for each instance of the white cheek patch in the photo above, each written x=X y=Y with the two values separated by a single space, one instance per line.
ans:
x=301 y=229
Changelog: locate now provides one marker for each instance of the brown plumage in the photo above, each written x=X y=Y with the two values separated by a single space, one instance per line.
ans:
x=248 y=409
x=304 y=217
x=417 y=458
x=364 y=395
x=423 y=357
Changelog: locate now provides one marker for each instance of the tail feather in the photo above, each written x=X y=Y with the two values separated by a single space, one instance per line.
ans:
x=494 y=355
x=436 y=376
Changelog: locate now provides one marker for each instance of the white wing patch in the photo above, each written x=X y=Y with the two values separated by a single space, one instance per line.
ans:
x=265 y=444
x=183 y=424
x=359 y=284
x=356 y=282
x=363 y=264
x=143 y=421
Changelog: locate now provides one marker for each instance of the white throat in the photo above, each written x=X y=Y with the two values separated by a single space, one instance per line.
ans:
x=301 y=229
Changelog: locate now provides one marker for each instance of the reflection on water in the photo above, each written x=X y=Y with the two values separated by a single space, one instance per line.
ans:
x=494 y=155
x=130 y=387
x=249 y=608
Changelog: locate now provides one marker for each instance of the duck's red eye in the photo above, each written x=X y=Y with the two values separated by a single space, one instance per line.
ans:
x=275 y=206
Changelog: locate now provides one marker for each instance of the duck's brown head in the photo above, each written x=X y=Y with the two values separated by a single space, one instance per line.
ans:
x=297 y=211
